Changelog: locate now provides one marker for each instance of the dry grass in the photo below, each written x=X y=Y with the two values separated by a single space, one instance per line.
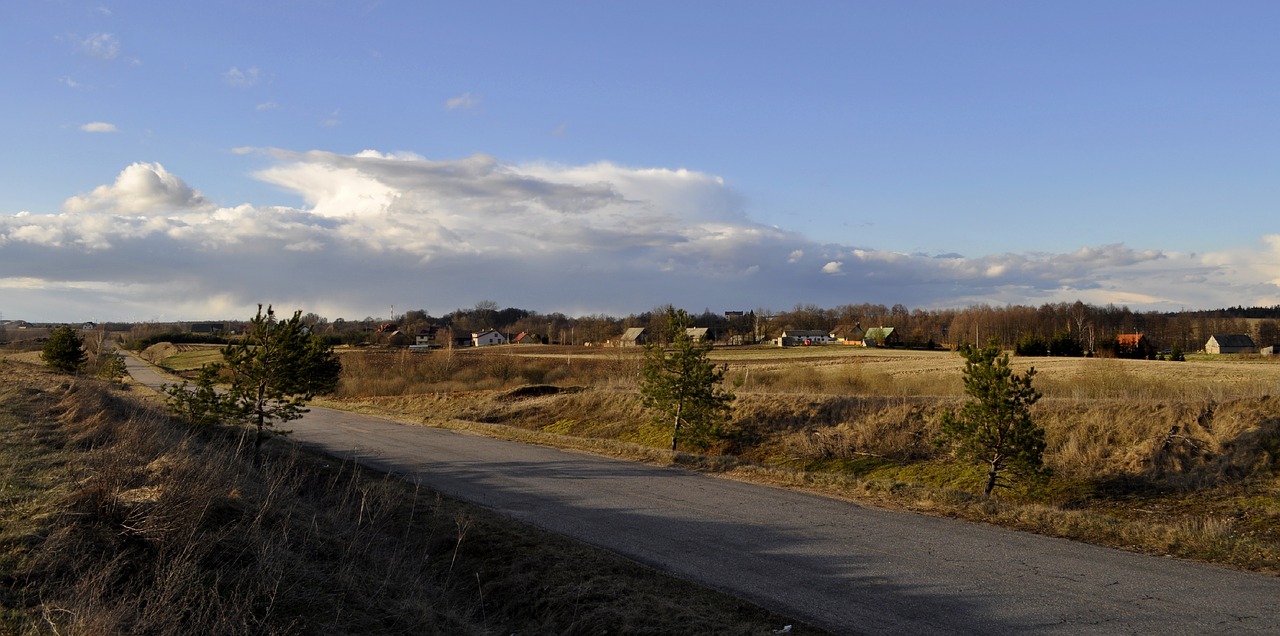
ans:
x=1162 y=457
x=117 y=520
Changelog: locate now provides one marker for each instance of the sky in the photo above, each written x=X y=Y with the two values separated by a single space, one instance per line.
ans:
x=188 y=160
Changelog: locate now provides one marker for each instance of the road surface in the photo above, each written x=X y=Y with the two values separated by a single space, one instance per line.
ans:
x=833 y=564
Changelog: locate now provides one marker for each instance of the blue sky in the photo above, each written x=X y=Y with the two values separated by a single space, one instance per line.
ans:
x=173 y=160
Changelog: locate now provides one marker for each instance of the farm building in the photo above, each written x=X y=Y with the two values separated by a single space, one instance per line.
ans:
x=696 y=334
x=882 y=337
x=634 y=337
x=1229 y=343
x=803 y=337
x=208 y=328
x=487 y=338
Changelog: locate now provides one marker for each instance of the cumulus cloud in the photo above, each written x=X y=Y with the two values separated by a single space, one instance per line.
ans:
x=139 y=189
x=99 y=127
x=378 y=228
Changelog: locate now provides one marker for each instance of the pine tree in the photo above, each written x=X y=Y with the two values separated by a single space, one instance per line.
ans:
x=681 y=384
x=64 y=351
x=995 y=428
x=274 y=371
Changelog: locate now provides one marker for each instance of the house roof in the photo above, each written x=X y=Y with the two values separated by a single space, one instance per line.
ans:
x=696 y=332
x=633 y=333
x=1129 y=339
x=878 y=333
x=1232 y=340
x=846 y=331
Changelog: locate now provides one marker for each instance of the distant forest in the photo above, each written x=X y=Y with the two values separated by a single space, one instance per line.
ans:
x=1094 y=328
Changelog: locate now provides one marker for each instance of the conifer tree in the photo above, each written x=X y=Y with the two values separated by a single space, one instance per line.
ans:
x=681 y=384
x=995 y=427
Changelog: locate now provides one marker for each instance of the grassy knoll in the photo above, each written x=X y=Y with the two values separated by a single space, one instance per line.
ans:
x=1160 y=457
x=114 y=519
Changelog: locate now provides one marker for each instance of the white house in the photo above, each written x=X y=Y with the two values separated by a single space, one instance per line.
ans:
x=487 y=338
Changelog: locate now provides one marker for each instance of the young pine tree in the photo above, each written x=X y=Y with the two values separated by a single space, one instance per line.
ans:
x=64 y=351
x=995 y=427
x=274 y=370
x=682 y=386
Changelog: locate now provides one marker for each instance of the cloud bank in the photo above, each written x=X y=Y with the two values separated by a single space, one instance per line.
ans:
x=380 y=229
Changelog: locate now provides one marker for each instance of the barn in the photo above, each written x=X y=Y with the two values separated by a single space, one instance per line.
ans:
x=1229 y=343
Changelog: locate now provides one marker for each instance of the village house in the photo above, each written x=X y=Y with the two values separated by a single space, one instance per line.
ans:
x=882 y=337
x=487 y=338
x=850 y=335
x=804 y=338
x=1133 y=345
x=525 y=337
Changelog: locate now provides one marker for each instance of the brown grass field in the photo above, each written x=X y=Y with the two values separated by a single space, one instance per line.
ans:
x=1176 y=458
x=115 y=519
x=113 y=515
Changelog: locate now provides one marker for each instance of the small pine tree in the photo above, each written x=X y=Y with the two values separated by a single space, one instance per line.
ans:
x=64 y=351
x=995 y=427
x=273 y=371
x=683 y=386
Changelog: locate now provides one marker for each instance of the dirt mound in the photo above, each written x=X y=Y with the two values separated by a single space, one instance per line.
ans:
x=159 y=351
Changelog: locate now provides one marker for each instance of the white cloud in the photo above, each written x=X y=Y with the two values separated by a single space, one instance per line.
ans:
x=68 y=82
x=104 y=46
x=464 y=101
x=242 y=79
x=379 y=227
x=140 y=188
x=99 y=127
x=268 y=105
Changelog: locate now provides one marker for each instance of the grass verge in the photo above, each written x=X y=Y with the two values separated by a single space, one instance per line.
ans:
x=114 y=519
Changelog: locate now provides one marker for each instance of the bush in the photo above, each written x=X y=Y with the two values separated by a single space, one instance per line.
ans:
x=1065 y=345
x=1031 y=344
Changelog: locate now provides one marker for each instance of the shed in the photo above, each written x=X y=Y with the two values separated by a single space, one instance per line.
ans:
x=634 y=337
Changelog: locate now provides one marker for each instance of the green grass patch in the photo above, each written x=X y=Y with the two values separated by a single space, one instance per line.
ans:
x=192 y=360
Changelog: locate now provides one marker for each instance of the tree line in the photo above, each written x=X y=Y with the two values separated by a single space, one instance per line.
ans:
x=1092 y=327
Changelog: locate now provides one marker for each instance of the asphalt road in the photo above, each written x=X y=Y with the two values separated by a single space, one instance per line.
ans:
x=833 y=564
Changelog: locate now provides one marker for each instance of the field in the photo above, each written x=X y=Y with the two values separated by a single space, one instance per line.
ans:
x=1176 y=458
x=1164 y=457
